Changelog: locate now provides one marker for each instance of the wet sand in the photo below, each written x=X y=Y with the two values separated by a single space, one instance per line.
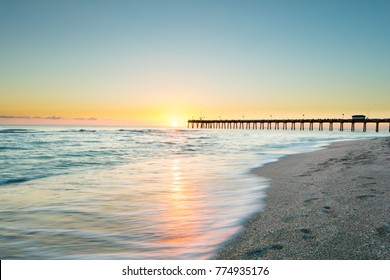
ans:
x=328 y=204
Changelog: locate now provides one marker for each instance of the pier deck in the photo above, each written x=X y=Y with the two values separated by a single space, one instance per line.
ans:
x=286 y=124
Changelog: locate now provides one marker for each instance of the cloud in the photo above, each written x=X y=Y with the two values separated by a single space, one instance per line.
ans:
x=84 y=119
x=48 y=118
x=15 y=117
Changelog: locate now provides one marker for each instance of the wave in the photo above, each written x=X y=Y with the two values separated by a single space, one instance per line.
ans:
x=78 y=130
x=86 y=130
x=138 y=131
x=17 y=130
x=158 y=131
x=2 y=148
x=199 y=137
x=9 y=181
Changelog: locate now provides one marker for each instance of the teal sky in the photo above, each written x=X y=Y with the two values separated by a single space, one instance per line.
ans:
x=151 y=61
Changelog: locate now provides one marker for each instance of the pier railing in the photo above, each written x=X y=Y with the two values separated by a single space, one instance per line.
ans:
x=286 y=124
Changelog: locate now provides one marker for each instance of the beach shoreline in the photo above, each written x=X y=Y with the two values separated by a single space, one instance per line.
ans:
x=328 y=204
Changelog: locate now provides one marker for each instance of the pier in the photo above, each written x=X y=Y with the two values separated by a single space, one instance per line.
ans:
x=285 y=124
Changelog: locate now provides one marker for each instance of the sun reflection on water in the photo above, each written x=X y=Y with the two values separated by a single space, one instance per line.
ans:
x=181 y=218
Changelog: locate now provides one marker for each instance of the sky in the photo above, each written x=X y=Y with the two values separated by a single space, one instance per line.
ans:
x=151 y=63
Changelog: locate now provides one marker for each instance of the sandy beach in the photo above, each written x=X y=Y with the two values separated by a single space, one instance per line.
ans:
x=329 y=204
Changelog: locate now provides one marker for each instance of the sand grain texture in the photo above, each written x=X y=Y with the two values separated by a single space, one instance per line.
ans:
x=328 y=204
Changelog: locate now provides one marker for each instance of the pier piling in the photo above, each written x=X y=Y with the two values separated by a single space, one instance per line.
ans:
x=263 y=124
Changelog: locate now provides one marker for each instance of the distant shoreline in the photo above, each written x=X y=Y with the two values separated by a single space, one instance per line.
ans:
x=327 y=204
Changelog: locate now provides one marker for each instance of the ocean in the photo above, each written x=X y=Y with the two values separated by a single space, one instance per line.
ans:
x=135 y=193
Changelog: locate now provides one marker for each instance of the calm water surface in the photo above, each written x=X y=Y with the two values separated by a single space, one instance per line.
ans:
x=124 y=193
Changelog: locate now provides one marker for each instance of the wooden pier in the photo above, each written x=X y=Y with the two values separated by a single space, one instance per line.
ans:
x=286 y=124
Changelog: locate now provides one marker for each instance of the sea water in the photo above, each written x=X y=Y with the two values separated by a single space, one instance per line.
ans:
x=133 y=193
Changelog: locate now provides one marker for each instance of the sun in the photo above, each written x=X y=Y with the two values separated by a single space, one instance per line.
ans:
x=174 y=123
